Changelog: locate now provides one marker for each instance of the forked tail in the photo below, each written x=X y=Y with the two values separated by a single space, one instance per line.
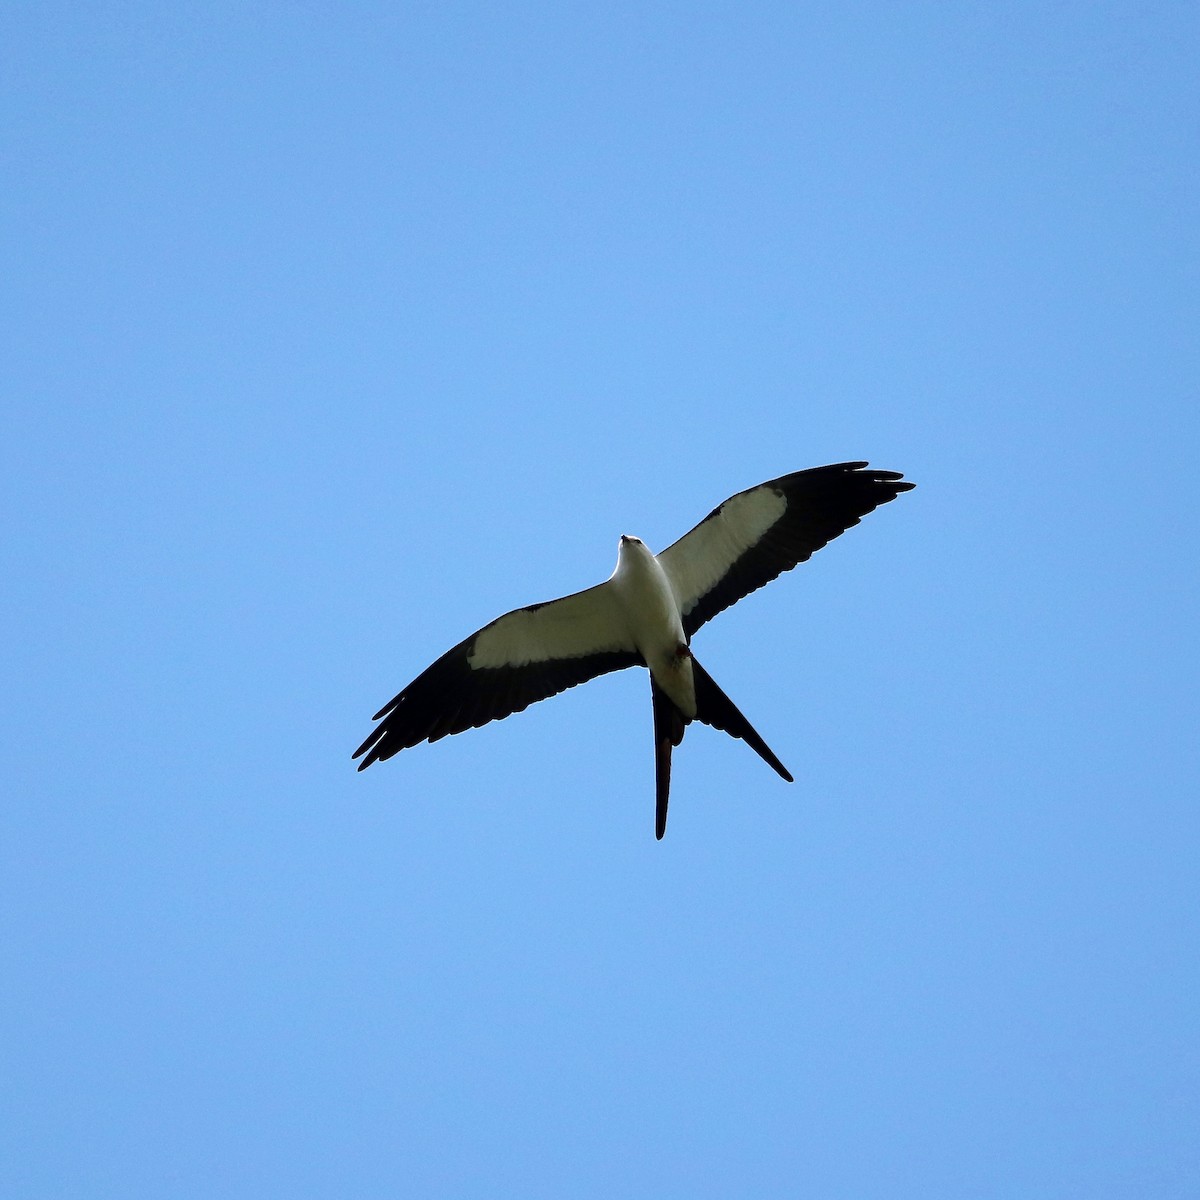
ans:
x=713 y=708
x=668 y=733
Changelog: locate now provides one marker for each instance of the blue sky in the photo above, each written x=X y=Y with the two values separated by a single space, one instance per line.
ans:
x=332 y=333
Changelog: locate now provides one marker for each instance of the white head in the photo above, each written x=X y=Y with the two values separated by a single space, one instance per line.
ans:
x=631 y=550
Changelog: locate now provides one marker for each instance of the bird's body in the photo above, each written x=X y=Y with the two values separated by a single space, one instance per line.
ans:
x=644 y=615
x=642 y=591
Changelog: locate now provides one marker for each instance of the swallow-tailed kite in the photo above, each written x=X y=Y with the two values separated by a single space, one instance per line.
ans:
x=643 y=616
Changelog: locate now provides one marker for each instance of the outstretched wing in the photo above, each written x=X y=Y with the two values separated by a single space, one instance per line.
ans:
x=766 y=530
x=524 y=656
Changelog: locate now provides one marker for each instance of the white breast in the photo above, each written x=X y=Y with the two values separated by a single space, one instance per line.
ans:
x=655 y=625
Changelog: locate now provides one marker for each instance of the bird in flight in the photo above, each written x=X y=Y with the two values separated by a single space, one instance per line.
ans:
x=644 y=615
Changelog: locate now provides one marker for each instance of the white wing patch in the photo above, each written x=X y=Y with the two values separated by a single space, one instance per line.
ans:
x=576 y=626
x=698 y=562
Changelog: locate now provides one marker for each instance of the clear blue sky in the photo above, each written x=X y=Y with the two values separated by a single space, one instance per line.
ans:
x=332 y=332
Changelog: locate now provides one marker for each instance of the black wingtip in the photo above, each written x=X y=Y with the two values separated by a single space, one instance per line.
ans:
x=367 y=748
